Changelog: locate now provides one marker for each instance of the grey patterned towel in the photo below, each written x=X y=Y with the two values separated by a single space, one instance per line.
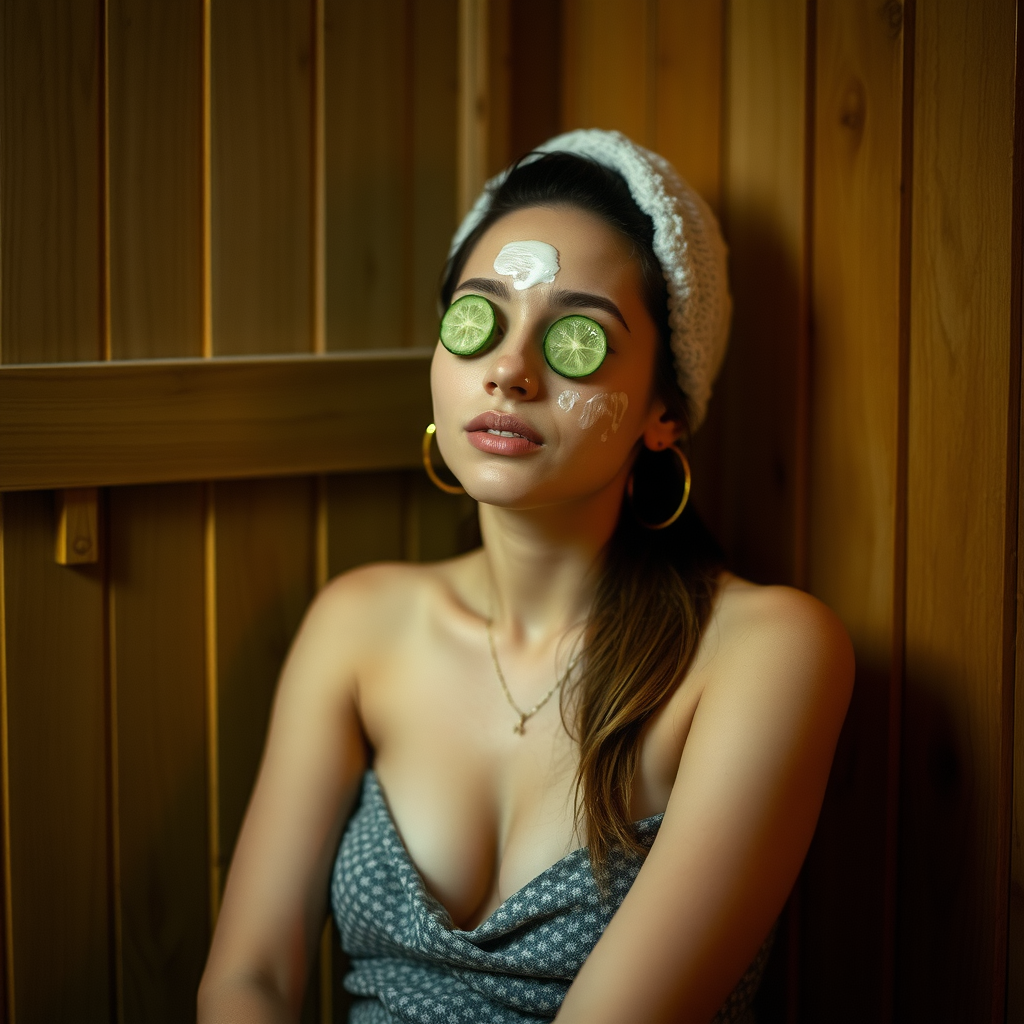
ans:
x=411 y=964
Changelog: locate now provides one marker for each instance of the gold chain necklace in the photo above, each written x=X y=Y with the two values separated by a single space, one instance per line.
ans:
x=524 y=716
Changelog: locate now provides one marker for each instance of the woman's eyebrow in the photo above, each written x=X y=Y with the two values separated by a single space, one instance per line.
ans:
x=585 y=300
x=560 y=297
x=485 y=284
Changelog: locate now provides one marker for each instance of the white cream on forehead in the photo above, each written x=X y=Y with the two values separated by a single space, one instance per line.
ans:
x=527 y=263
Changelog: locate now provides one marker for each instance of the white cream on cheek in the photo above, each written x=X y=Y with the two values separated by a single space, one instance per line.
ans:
x=604 y=403
x=567 y=399
x=527 y=263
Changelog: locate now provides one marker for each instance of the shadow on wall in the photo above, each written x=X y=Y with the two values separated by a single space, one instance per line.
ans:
x=843 y=880
x=942 y=850
x=745 y=471
x=745 y=457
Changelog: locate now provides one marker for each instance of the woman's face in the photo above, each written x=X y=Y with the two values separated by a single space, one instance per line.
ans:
x=574 y=437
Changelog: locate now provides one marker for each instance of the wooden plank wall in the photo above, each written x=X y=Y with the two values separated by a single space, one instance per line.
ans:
x=154 y=536
x=963 y=437
x=212 y=178
x=207 y=178
x=865 y=437
x=854 y=454
x=58 y=950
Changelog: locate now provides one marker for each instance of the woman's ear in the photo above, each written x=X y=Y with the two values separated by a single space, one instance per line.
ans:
x=662 y=429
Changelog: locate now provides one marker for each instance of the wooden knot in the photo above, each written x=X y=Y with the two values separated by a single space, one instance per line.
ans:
x=892 y=13
x=853 y=107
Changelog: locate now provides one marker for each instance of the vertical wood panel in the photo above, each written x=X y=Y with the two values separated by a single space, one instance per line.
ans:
x=688 y=55
x=390 y=71
x=437 y=525
x=433 y=92
x=262 y=176
x=847 y=924
x=264 y=295
x=319 y=197
x=755 y=416
x=56 y=708
x=206 y=157
x=607 y=66
x=747 y=456
x=156 y=534
x=7 y=967
x=953 y=880
x=535 y=48
x=1015 y=957
x=324 y=980
x=1015 y=936
x=156 y=538
x=498 y=82
x=265 y=579
x=155 y=177
x=475 y=114
x=1015 y=943
x=59 y=938
x=50 y=182
x=368 y=207
x=365 y=520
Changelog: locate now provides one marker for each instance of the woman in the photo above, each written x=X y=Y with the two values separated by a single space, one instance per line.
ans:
x=597 y=757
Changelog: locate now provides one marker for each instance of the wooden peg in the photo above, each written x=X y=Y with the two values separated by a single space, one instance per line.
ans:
x=77 y=526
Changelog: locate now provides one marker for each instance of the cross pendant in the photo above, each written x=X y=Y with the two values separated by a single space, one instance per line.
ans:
x=520 y=727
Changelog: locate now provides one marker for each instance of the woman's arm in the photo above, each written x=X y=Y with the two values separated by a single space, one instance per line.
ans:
x=273 y=906
x=739 y=820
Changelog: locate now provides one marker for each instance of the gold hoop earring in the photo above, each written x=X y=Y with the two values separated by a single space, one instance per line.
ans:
x=682 y=504
x=428 y=465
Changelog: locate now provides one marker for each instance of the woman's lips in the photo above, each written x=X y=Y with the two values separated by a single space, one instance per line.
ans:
x=502 y=434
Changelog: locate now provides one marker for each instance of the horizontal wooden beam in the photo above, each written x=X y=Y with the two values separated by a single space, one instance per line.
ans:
x=154 y=421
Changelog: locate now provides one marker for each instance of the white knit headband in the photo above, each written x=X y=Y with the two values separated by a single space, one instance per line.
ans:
x=687 y=242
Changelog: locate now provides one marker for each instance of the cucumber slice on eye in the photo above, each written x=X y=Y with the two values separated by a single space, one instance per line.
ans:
x=575 y=346
x=468 y=326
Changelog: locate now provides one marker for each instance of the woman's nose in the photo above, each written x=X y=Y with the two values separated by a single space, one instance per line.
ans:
x=514 y=371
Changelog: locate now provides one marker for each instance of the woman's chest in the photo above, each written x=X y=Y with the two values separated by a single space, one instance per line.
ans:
x=481 y=808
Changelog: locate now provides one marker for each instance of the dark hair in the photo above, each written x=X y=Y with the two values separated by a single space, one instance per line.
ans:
x=656 y=589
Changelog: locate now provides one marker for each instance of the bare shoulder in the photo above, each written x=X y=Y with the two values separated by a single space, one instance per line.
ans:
x=384 y=586
x=781 y=639
x=380 y=602
x=370 y=589
x=782 y=618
